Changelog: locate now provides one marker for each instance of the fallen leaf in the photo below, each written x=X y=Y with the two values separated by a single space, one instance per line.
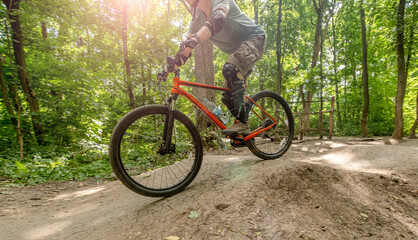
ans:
x=194 y=214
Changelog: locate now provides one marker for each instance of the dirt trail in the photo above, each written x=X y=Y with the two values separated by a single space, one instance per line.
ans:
x=339 y=189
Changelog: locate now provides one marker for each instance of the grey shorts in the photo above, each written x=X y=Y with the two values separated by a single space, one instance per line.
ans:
x=250 y=51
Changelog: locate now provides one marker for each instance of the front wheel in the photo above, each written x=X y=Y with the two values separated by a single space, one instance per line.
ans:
x=137 y=156
x=273 y=143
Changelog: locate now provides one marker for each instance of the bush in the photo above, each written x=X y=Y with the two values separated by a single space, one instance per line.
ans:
x=53 y=163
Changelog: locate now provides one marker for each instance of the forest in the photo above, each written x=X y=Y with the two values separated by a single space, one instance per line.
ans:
x=71 y=69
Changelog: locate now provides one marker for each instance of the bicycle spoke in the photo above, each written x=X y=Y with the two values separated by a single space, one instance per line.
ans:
x=142 y=161
x=273 y=142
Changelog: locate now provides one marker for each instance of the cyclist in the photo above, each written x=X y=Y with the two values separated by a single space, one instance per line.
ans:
x=233 y=32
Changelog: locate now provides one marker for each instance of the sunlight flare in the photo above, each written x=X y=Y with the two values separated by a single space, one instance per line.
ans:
x=81 y=193
x=47 y=230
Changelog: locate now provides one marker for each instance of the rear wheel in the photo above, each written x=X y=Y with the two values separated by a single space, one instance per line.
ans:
x=137 y=157
x=273 y=143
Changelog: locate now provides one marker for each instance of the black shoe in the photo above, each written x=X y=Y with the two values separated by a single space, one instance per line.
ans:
x=238 y=128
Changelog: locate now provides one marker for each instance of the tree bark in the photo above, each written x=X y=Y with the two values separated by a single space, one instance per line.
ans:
x=306 y=103
x=365 y=76
x=44 y=31
x=261 y=82
x=128 y=80
x=204 y=73
x=320 y=9
x=414 y=127
x=411 y=43
x=19 y=54
x=15 y=119
x=402 y=76
x=279 y=50
x=321 y=107
x=255 y=4
x=334 y=54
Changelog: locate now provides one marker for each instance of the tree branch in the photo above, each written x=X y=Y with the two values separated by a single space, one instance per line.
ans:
x=331 y=14
x=187 y=7
x=315 y=5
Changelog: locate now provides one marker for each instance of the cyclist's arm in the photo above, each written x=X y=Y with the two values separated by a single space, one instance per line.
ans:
x=211 y=27
x=204 y=33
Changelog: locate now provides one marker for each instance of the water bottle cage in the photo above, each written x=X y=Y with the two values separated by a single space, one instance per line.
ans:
x=216 y=110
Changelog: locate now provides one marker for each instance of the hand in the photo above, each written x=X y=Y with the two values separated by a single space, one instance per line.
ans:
x=187 y=47
x=189 y=43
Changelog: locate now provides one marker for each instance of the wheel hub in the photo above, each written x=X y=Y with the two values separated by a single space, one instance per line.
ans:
x=163 y=150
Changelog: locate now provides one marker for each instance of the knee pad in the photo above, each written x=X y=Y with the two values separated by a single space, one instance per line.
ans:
x=234 y=98
x=230 y=72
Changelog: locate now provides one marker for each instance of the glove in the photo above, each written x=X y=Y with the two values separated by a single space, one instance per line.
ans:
x=180 y=59
x=189 y=43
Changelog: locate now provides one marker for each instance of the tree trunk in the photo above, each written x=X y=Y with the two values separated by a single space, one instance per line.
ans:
x=306 y=103
x=204 y=73
x=128 y=80
x=19 y=54
x=365 y=76
x=144 y=80
x=334 y=54
x=260 y=80
x=279 y=50
x=327 y=20
x=408 y=60
x=44 y=31
x=321 y=107
x=255 y=4
x=15 y=120
x=320 y=9
x=414 y=127
x=402 y=77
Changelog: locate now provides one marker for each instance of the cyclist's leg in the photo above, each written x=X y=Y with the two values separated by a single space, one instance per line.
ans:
x=236 y=70
x=233 y=99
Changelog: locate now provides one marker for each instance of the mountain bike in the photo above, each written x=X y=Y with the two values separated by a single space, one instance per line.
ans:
x=156 y=150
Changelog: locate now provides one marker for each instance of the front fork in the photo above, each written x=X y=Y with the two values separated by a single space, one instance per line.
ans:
x=167 y=147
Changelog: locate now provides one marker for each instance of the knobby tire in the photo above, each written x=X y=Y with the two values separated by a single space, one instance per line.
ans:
x=134 y=156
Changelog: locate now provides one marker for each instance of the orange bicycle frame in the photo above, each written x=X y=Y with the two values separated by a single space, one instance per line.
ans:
x=177 y=90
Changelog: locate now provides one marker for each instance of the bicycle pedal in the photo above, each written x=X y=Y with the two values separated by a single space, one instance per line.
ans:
x=232 y=136
x=237 y=143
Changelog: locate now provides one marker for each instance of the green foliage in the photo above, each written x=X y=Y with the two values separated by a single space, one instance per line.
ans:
x=79 y=76
x=52 y=163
